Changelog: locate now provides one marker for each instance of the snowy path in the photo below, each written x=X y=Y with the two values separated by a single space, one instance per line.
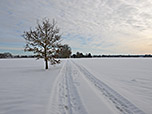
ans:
x=65 y=98
x=74 y=94
x=122 y=104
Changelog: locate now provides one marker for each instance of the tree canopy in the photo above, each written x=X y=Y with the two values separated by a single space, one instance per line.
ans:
x=44 y=41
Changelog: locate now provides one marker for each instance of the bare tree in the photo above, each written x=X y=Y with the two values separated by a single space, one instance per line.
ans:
x=44 y=41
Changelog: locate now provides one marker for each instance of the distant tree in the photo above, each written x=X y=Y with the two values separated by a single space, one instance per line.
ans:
x=79 y=55
x=88 y=55
x=65 y=51
x=44 y=41
x=6 y=55
x=73 y=56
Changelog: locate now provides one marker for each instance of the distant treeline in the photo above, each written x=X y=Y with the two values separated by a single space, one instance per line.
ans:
x=81 y=55
x=9 y=55
x=89 y=55
x=77 y=55
x=146 y=55
x=66 y=54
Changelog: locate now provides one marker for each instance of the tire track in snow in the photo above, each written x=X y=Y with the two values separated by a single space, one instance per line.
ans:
x=65 y=98
x=122 y=104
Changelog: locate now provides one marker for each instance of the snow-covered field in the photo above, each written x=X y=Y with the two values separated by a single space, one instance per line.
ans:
x=76 y=86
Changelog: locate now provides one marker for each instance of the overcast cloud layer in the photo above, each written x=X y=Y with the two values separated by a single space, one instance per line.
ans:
x=96 y=26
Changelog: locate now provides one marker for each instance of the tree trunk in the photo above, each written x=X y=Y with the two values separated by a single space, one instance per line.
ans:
x=46 y=64
x=46 y=60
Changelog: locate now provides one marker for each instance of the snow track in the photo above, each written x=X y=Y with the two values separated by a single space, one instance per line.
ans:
x=122 y=104
x=77 y=91
x=65 y=98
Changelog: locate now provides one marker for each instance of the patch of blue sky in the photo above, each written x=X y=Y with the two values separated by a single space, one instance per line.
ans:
x=20 y=27
x=67 y=36
x=2 y=44
x=20 y=23
x=15 y=52
x=104 y=44
x=74 y=49
x=89 y=39
x=82 y=39
x=19 y=31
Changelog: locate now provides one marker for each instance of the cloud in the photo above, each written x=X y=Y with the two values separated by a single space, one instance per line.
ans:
x=107 y=26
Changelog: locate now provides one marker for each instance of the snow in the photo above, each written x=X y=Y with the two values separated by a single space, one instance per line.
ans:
x=76 y=86
x=131 y=78
x=24 y=86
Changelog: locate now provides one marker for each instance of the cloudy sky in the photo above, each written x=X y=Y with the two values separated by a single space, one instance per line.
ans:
x=96 y=26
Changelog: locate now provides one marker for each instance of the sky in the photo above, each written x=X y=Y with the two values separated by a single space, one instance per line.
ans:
x=87 y=26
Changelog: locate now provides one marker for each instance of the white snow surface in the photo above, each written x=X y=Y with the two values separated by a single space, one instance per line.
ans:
x=76 y=86
x=130 y=77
